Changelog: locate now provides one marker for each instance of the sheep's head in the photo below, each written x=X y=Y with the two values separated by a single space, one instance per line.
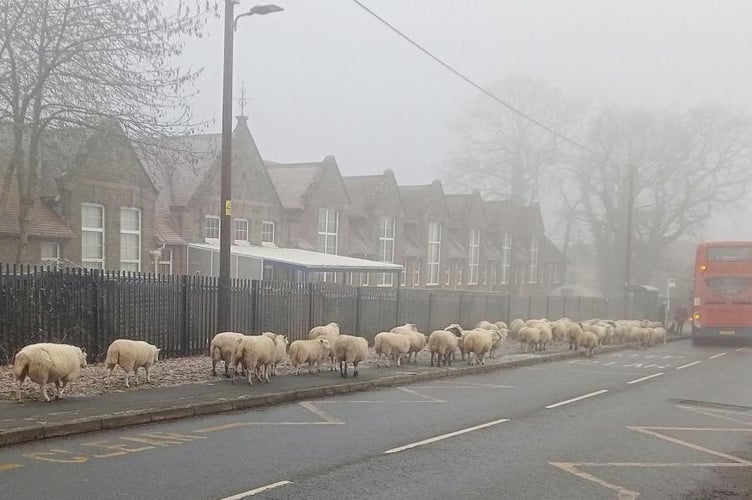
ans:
x=82 y=357
x=455 y=329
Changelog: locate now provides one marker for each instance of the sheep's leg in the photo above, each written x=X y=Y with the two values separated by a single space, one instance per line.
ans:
x=18 y=389
x=109 y=374
x=127 y=384
x=135 y=375
x=148 y=380
x=62 y=389
x=355 y=369
x=214 y=368
x=343 y=369
x=43 y=387
x=57 y=389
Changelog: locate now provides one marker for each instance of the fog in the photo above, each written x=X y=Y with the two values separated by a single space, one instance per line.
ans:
x=325 y=77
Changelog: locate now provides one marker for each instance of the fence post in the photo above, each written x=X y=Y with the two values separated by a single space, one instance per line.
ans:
x=430 y=311
x=509 y=308
x=357 y=310
x=310 y=307
x=184 y=323
x=254 y=306
x=529 y=306
x=459 y=314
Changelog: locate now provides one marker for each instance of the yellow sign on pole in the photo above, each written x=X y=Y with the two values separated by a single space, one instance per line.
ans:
x=228 y=207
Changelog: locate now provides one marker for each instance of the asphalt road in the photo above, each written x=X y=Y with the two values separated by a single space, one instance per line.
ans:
x=671 y=422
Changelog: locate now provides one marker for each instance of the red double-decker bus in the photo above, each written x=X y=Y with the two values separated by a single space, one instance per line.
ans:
x=722 y=302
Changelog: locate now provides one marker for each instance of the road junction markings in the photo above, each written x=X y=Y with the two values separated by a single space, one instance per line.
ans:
x=743 y=417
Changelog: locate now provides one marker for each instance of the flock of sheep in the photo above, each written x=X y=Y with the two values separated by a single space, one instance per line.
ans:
x=258 y=355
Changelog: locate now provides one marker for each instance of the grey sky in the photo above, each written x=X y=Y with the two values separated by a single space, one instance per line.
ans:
x=324 y=77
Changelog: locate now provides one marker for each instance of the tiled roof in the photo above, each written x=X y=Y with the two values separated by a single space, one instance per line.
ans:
x=411 y=247
x=452 y=248
x=416 y=200
x=358 y=242
x=292 y=181
x=164 y=227
x=44 y=223
x=363 y=190
x=178 y=165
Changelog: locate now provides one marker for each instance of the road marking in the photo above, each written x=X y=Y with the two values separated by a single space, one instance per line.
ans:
x=562 y=403
x=321 y=413
x=445 y=436
x=652 y=431
x=718 y=355
x=426 y=398
x=645 y=378
x=623 y=493
x=9 y=466
x=250 y=493
x=688 y=365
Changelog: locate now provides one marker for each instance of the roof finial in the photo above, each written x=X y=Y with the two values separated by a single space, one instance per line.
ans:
x=242 y=100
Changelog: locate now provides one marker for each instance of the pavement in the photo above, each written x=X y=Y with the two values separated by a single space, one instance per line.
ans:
x=35 y=420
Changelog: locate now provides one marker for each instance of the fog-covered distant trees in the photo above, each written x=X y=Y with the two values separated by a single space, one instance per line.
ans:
x=75 y=63
x=678 y=167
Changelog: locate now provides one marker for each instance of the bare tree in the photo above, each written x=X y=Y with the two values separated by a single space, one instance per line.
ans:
x=505 y=155
x=671 y=170
x=80 y=63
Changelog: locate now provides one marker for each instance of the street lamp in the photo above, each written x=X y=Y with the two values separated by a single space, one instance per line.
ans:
x=225 y=232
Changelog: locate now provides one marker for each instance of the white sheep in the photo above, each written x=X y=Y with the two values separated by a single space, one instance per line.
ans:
x=529 y=338
x=573 y=333
x=130 y=355
x=658 y=336
x=390 y=344
x=417 y=340
x=479 y=342
x=350 y=349
x=443 y=343
x=500 y=325
x=329 y=332
x=514 y=328
x=486 y=325
x=587 y=340
x=280 y=349
x=221 y=348
x=503 y=334
x=44 y=363
x=309 y=351
x=255 y=353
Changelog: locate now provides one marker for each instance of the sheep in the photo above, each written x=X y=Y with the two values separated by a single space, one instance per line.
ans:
x=350 y=349
x=280 y=349
x=514 y=327
x=330 y=332
x=503 y=334
x=559 y=330
x=130 y=355
x=44 y=363
x=417 y=340
x=486 y=325
x=388 y=344
x=588 y=340
x=255 y=353
x=573 y=332
x=658 y=336
x=443 y=343
x=546 y=336
x=479 y=342
x=529 y=337
x=500 y=325
x=221 y=349
x=309 y=351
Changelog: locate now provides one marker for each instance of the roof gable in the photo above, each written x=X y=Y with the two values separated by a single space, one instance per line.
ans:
x=425 y=202
x=374 y=194
x=299 y=184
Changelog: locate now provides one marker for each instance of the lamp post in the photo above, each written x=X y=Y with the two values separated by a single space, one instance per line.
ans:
x=225 y=232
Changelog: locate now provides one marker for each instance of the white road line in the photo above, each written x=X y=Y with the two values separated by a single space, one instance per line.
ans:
x=445 y=436
x=718 y=355
x=250 y=493
x=646 y=378
x=562 y=403
x=688 y=365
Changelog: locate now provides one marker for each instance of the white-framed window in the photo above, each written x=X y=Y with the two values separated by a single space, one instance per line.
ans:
x=474 y=257
x=241 y=230
x=534 y=259
x=92 y=235
x=434 y=253
x=556 y=273
x=211 y=226
x=485 y=273
x=130 y=239
x=268 y=273
x=459 y=276
x=387 y=227
x=506 y=259
x=520 y=275
x=416 y=273
x=164 y=265
x=267 y=232
x=448 y=274
x=494 y=273
x=403 y=273
x=49 y=251
x=327 y=232
x=326 y=242
x=364 y=279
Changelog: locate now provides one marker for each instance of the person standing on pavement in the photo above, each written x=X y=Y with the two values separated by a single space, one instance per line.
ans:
x=680 y=316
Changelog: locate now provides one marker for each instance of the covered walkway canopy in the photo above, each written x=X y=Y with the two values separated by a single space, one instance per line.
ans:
x=255 y=262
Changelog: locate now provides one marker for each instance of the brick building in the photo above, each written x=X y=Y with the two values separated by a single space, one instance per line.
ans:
x=105 y=204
